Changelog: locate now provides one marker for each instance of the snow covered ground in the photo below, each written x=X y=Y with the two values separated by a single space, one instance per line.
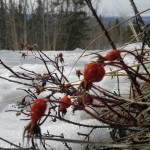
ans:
x=11 y=128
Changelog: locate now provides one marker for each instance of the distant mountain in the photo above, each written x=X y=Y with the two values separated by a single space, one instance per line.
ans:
x=146 y=19
x=113 y=19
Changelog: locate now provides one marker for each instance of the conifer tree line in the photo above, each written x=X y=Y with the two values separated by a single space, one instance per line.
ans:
x=52 y=25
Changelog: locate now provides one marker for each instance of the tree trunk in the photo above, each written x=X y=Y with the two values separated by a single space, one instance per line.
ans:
x=25 y=23
x=43 y=25
x=13 y=26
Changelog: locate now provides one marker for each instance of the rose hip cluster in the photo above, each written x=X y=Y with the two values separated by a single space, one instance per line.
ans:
x=93 y=72
x=38 y=110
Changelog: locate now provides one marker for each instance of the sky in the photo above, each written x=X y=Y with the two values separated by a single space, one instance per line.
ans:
x=116 y=7
x=120 y=7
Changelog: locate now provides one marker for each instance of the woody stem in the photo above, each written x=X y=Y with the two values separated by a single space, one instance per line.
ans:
x=101 y=24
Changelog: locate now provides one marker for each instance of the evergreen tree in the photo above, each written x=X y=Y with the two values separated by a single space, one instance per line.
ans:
x=3 y=38
x=39 y=25
x=76 y=27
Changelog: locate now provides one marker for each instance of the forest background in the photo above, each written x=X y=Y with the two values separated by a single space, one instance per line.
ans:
x=55 y=25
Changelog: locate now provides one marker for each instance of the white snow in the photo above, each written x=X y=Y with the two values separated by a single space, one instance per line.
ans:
x=11 y=126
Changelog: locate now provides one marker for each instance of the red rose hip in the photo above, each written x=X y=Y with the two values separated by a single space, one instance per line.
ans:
x=93 y=72
x=113 y=55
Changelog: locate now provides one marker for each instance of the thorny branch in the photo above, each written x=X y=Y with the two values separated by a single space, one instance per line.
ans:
x=123 y=115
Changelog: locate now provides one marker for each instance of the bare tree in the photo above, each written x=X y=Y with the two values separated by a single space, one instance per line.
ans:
x=13 y=25
x=25 y=21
